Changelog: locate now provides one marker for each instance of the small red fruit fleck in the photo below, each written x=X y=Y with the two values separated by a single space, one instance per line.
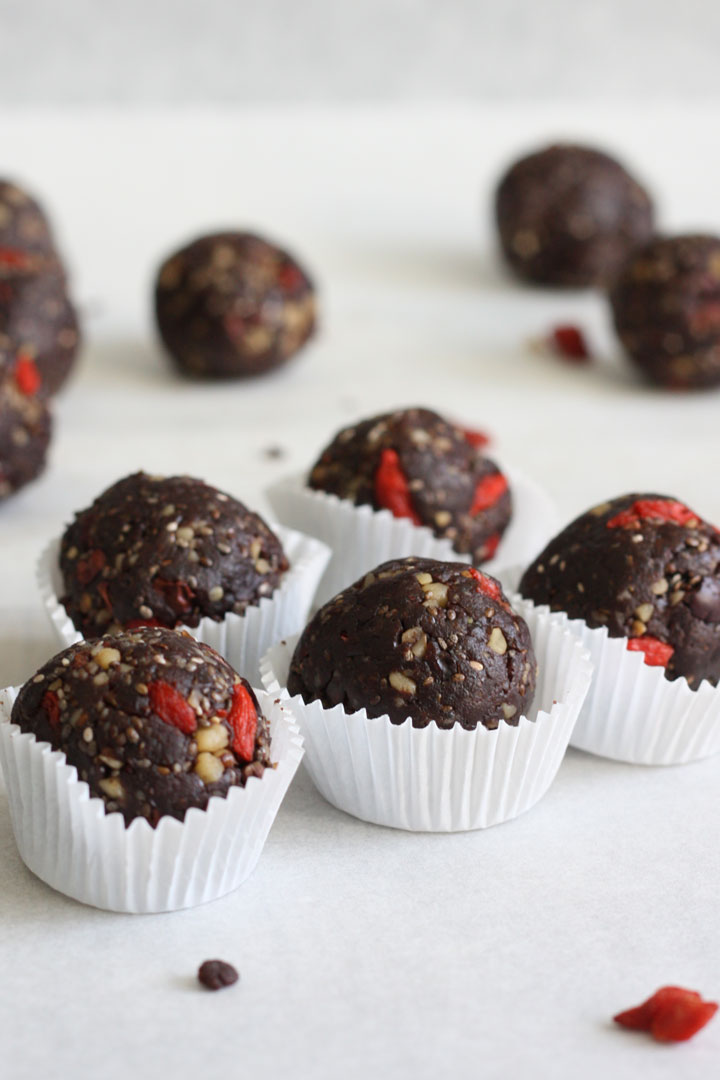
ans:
x=51 y=706
x=171 y=707
x=490 y=546
x=27 y=376
x=569 y=342
x=177 y=594
x=136 y=624
x=11 y=257
x=672 y=1014
x=289 y=277
x=88 y=568
x=243 y=722
x=392 y=491
x=488 y=492
x=657 y=510
x=475 y=437
x=657 y=653
x=487 y=585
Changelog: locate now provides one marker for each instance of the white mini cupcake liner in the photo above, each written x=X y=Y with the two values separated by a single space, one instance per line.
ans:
x=241 y=639
x=68 y=840
x=362 y=538
x=434 y=780
x=632 y=712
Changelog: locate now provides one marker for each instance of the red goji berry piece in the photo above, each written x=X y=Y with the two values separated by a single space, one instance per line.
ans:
x=569 y=342
x=27 y=376
x=487 y=585
x=672 y=1014
x=177 y=594
x=475 y=437
x=88 y=568
x=289 y=277
x=135 y=624
x=102 y=588
x=14 y=258
x=488 y=492
x=171 y=707
x=657 y=653
x=243 y=719
x=653 y=510
x=51 y=705
x=490 y=546
x=392 y=491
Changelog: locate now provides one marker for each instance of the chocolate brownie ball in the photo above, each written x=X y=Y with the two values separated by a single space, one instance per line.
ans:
x=666 y=308
x=154 y=721
x=647 y=568
x=164 y=552
x=24 y=226
x=232 y=305
x=419 y=466
x=38 y=324
x=431 y=640
x=25 y=429
x=570 y=215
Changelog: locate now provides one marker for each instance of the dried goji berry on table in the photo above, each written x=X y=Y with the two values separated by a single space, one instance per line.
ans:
x=672 y=1014
x=569 y=342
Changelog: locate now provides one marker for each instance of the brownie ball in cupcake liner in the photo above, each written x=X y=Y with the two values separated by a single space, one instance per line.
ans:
x=67 y=839
x=361 y=537
x=434 y=779
x=240 y=639
x=632 y=712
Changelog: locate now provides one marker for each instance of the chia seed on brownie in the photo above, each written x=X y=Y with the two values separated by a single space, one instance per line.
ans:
x=431 y=640
x=647 y=568
x=417 y=465
x=38 y=323
x=165 y=552
x=231 y=305
x=154 y=721
x=570 y=215
x=666 y=308
x=25 y=429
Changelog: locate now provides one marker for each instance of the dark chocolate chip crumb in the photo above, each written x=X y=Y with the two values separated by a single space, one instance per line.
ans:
x=215 y=974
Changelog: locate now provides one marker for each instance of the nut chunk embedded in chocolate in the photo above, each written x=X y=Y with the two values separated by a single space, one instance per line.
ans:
x=419 y=466
x=231 y=305
x=646 y=567
x=165 y=552
x=431 y=640
x=666 y=307
x=570 y=215
x=154 y=721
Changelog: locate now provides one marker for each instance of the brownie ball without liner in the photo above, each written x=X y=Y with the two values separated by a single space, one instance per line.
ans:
x=38 y=324
x=666 y=308
x=154 y=721
x=25 y=429
x=165 y=552
x=23 y=223
x=420 y=638
x=417 y=465
x=570 y=215
x=647 y=568
x=232 y=305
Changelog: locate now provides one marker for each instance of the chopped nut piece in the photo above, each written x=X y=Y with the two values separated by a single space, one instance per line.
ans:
x=208 y=768
x=644 y=612
x=210 y=739
x=509 y=711
x=416 y=638
x=112 y=788
x=497 y=641
x=105 y=657
x=401 y=683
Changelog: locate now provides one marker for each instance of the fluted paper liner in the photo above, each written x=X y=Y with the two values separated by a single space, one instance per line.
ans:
x=362 y=538
x=67 y=839
x=435 y=780
x=632 y=712
x=241 y=639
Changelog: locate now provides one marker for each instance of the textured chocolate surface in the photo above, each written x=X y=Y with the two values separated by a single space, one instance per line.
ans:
x=415 y=637
x=666 y=308
x=646 y=567
x=23 y=223
x=39 y=322
x=570 y=215
x=231 y=305
x=25 y=429
x=147 y=752
x=165 y=551
x=444 y=474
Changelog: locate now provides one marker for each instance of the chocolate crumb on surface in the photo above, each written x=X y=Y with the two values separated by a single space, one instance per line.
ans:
x=646 y=567
x=232 y=305
x=165 y=551
x=216 y=974
x=416 y=464
x=570 y=216
x=434 y=641
x=666 y=308
x=154 y=722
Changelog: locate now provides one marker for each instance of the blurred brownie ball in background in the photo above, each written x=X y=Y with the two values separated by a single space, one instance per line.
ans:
x=570 y=216
x=233 y=305
x=25 y=429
